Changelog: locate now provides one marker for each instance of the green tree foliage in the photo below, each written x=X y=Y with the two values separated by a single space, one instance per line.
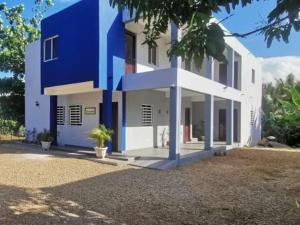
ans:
x=15 y=33
x=203 y=36
x=281 y=105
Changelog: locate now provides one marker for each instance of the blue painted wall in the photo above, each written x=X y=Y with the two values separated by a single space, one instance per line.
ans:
x=90 y=46
x=112 y=47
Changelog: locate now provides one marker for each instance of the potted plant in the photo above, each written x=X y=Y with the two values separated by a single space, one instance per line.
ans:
x=46 y=139
x=101 y=135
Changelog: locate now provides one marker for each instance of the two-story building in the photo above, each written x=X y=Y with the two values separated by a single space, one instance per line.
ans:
x=90 y=67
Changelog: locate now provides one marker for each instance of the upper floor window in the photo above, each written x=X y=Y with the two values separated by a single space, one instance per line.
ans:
x=253 y=76
x=50 y=48
x=152 y=56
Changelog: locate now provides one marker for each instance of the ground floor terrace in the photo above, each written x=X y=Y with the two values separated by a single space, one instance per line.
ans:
x=141 y=122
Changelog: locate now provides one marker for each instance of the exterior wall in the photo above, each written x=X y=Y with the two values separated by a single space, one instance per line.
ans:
x=77 y=28
x=36 y=117
x=142 y=64
x=77 y=135
x=138 y=136
x=90 y=46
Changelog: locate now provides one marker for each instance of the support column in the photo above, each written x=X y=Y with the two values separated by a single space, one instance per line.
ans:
x=123 y=131
x=107 y=113
x=230 y=103
x=174 y=123
x=175 y=36
x=229 y=121
x=53 y=118
x=209 y=122
x=209 y=109
x=230 y=68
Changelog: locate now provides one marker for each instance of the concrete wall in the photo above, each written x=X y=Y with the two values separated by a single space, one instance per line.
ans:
x=137 y=135
x=77 y=135
x=36 y=117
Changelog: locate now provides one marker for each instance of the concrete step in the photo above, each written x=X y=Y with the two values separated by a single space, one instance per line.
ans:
x=118 y=156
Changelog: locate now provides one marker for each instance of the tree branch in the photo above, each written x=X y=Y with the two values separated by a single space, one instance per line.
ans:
x=257 y=30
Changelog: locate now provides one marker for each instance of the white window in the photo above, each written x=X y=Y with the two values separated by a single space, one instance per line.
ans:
x=60 y=115
x=152 y=56
x=50 y=48
x=147 y=115
x=252 y=118
x=75 y=115
x=253 y=76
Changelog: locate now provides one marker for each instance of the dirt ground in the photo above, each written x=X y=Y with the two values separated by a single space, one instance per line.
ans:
x=245 y=187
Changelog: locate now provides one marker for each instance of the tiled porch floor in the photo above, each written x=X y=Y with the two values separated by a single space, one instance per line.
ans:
x=157 y=158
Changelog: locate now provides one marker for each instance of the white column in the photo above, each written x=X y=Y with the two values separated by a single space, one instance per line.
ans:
x=174 y=123
x=230 y=103
x=230 y=68
x=175 y=36
x=209 y=109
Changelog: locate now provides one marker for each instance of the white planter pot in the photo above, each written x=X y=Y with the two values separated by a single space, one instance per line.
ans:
x=46 y=145
x=101 y=152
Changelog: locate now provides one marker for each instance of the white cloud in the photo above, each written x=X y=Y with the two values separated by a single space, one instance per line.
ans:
x=279 y=67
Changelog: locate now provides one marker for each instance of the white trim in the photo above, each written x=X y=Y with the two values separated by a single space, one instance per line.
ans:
x=67 y=89
x=44 y=47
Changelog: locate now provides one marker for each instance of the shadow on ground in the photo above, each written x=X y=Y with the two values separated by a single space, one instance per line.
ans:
x=246 y=187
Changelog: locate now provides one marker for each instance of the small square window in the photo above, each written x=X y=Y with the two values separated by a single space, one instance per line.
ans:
x=152 y=56
x=253 y=76
x=147 y=115
x=50 y=48
x=60 y=115
x=75 y=115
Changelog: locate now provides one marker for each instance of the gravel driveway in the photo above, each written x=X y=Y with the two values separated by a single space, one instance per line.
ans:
x=245 y=187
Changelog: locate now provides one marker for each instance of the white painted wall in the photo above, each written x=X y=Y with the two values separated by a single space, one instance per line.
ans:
x=36 y=117
x=77 y=135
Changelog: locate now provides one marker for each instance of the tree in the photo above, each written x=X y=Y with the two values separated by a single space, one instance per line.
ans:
x=203 y=36
x=15 y=33
x=281 y=105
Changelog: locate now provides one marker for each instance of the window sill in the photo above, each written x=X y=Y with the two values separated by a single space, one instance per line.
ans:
x=49 y=60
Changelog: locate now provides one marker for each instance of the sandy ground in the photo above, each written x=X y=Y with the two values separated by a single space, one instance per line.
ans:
x=245 y=187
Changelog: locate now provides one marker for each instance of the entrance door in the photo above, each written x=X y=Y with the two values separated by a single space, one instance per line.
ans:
x=115 y=139
x=115 y=125
x=222 y=125
x=187 y=125
x=130 y=53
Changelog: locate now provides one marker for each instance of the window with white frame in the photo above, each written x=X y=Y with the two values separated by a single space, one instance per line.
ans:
x=253 y=76
x=50 y=48
x=152 y=55
x=60 y=115
x=75 y=115
x=147 y=115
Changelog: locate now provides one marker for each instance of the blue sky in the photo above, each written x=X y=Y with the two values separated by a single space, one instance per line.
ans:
x=243 y=20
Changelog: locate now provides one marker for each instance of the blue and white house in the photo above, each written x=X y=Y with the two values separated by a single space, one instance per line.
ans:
x=90 y=67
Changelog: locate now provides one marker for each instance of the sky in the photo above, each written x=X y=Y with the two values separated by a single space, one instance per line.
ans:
x=243 y=20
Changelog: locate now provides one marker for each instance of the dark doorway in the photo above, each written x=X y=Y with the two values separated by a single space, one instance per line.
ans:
x=187 y=125
x=130 y=57
x=115 y=139
x=223 y=73
x=115 y=125
x=235 y=126
x=222 y=125
x=236 y=74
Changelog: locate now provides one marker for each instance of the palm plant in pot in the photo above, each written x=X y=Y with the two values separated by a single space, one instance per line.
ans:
x=46 y=139
x=101 y=135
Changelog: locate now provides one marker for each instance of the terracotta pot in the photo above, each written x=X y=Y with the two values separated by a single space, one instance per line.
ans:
x=101 y=152
x=46 y=145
